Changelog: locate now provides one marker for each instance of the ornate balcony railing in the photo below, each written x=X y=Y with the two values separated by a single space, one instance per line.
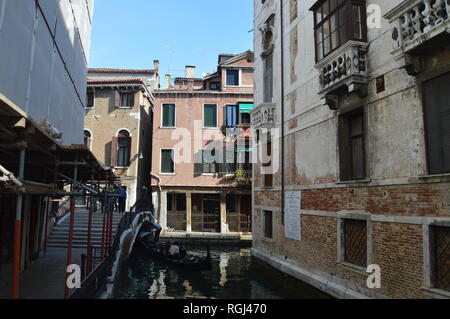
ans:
x=414 y=22
x=347 y=66
x=263 y=115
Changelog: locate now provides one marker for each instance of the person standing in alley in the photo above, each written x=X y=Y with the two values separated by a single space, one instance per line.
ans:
x=122 y=200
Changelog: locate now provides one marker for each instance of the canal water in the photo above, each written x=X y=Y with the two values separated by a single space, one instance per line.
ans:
x=235 y=274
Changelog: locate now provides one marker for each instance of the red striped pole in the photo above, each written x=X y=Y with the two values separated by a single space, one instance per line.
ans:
x=17 y=234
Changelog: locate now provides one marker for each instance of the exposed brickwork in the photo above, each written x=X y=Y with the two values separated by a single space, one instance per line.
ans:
x=405 y=200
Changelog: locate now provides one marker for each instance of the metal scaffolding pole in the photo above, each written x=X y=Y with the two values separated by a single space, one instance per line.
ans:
x=71 y=231
x=18 y=233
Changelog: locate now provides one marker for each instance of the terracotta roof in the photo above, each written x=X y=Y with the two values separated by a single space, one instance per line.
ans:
x=187 y=79
x=122 y=71
x=114 y=81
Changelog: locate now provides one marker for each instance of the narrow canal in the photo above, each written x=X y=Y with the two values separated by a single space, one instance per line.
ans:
x=235 y=274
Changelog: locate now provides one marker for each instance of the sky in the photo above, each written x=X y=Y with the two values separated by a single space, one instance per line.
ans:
x=131 y=34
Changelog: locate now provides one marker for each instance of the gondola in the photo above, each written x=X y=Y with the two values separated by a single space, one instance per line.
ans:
x=182 y=260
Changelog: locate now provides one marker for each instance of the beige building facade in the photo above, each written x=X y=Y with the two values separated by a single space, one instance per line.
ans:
x=118 y=125
x=352 y=98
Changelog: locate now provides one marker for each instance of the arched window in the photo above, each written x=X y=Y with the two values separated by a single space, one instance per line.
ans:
x=88 y=139
x=123 y=148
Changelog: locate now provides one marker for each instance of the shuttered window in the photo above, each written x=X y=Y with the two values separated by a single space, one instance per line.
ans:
x=437 y=115
x=210 y=115
x=168 y=115
x=231 y=116
x=167 y=163
x=268 y=178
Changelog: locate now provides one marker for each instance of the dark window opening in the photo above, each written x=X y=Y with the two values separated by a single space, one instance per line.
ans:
x=441 y=257
x=214 y=86
x=352 y=145
x=268 y=224
x=233 y=77
x=124 y=149
x=437 y=119
x=90 y=98
x=181 y=202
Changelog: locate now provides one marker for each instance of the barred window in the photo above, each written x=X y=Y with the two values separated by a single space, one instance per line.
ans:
x=355 y=242
x=440 y=244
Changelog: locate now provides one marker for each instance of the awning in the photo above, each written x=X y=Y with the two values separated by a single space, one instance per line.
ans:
x=245 y=107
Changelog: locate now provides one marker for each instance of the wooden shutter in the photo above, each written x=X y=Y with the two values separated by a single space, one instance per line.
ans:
x=132 y=98
x=116 y=98
x=114 y=144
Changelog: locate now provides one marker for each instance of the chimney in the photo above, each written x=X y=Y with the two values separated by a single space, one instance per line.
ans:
x=168 y=79
x=156 y=65
x=190 y=71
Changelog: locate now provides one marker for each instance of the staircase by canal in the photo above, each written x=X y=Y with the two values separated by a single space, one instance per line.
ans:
x=59 y=236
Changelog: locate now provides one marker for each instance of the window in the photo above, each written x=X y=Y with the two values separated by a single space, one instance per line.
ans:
x=268 y=177
x=352 y=145
x=124 y=149
x=168 y=115
x=209 y=163
x=214 y=86
x=169 y=202
x=231 y=203
x=90 y=99
x=268 y=224
x=437 y=119
x=355 y=242
x=244 y=112
x=336 y=22
x=440 y=245
x=127 y=99
x=210 y=115
x=87 y=139
x=233 y=77
x=167 y=162
x=231 y=120
x=181 y=202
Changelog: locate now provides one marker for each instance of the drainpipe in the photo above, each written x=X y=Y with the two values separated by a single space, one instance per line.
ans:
x=18 y=233
x=282 y=113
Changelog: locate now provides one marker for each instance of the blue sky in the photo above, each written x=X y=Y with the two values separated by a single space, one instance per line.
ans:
x=132 y=33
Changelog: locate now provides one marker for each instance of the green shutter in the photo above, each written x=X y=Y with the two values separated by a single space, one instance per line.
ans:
x=210 y=115
x=169 y=115
x=167 y=165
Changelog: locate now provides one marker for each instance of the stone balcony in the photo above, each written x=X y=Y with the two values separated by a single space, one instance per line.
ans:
x=344 y=70
x=416 y=25
x=263 y=115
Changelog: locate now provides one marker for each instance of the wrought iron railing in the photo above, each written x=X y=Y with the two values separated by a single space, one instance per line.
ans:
x=239 y=223
x=205 y=223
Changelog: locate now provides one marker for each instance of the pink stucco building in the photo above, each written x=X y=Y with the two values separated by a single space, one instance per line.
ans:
x=202 y=147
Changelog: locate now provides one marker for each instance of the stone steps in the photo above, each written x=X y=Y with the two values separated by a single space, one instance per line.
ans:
x=59 y=237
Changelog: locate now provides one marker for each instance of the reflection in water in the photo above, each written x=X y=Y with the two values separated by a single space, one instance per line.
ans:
x=224 y=258
x=234 y=275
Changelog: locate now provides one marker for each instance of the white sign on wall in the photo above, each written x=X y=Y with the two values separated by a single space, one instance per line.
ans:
x=292 y=215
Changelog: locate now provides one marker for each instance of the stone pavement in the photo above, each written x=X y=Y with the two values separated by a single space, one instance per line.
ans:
x=44 y=278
